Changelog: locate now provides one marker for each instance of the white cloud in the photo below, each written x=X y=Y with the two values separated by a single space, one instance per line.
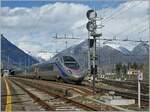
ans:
x=46 y=55
x=128 y=21
x=28 y=26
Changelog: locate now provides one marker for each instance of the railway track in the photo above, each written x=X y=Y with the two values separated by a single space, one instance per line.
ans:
x=128 y=85
x=144 y=98
x=74 y=105
x=40 y=102
x=87 y=90
x=122 y=92
x=78 y=88
x=82 y=90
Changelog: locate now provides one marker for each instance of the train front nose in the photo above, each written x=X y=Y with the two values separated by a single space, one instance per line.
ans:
x=72 y=69
x=76 y=75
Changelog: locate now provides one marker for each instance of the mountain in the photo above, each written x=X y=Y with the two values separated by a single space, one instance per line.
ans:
x=141 y=49
x=140 y=53
x=121 y=49
x=12 y=56
x=109 y=55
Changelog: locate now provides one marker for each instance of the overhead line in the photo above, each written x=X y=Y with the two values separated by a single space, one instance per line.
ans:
x=110 y=18
x=135 y=31
x=116 y=12
x=135 y=25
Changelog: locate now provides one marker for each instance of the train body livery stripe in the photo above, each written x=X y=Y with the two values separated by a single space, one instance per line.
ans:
x=61 y=70
x=62 y=73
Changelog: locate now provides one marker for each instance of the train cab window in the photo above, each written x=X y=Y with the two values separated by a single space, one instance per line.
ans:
x=72 y=65
x=70 y=62
x=68 y=58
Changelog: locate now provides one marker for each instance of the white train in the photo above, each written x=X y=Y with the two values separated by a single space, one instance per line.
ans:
x=62 y=67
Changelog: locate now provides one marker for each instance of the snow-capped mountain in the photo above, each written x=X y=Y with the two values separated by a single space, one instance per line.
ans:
x=140 y=53
x=45 y=55
x=109 y=54
x=124 y=50
x=141 y=49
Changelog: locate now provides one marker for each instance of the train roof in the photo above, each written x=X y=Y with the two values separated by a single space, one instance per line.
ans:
x=53 y=60
x=43 y=63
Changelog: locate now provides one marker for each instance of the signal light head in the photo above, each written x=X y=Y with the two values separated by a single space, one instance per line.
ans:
x=91 y=14
x=91 y=26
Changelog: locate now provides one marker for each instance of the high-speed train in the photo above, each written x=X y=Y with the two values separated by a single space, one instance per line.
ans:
x=63 y=67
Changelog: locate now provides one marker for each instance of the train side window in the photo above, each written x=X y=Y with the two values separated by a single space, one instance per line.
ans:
x=51 y=67
x=46 y=67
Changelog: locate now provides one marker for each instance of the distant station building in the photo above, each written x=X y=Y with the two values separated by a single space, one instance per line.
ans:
x=6 y=72
x=132 y=72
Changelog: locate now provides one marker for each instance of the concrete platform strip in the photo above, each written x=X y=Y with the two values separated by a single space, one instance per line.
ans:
x=8 y=107
x=117 y=107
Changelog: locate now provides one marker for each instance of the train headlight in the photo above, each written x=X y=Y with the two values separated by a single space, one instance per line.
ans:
x=69 y=71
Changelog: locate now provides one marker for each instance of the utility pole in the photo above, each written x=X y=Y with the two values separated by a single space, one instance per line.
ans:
x=89 y=55
x=66 y=44
x=25 y=65
x=121 y=40
x=94 y=64
x=140 y=78
x=29 y=59
x=8 y=62
x=92 y=27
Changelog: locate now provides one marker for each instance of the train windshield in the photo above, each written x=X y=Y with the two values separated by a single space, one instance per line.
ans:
x=70 y=62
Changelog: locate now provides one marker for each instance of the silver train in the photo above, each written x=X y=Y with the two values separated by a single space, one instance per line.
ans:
x=64 y=68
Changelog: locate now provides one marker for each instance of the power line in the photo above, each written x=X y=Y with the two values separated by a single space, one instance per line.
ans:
x=111 y=17
x=123 y=40
x=135 y=25
x=120 y=12
x=115 y=12
x=65 y=38
x=36 y=22
x=136 y=31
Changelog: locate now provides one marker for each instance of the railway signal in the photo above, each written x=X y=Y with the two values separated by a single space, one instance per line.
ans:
x=91 y=14
x=92 y=27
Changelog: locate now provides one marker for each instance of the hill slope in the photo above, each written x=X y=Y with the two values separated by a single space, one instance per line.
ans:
x=12 y=56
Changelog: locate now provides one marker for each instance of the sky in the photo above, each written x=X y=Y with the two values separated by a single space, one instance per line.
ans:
x=35 y=3
x=31 y=25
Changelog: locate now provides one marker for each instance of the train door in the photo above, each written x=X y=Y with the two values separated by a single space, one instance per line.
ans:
x=48 y=71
